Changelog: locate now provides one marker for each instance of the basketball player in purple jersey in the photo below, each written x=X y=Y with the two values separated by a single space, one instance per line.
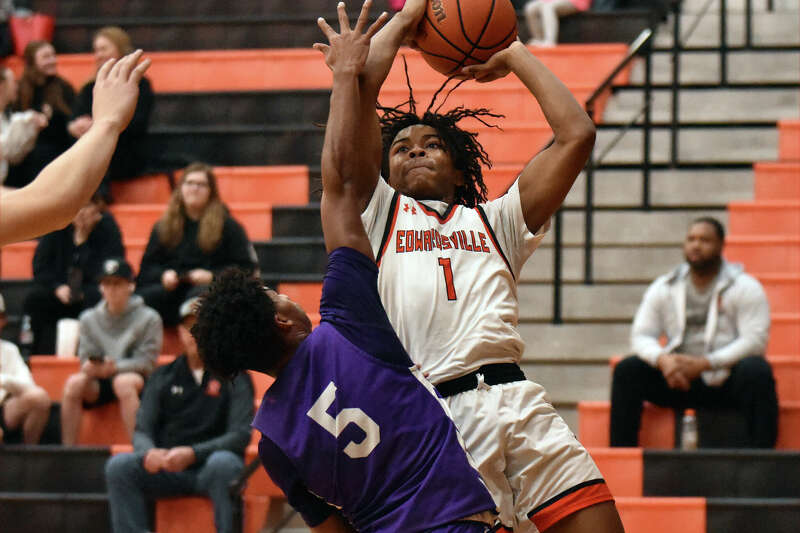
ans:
x=448 y=265
x=351 y=431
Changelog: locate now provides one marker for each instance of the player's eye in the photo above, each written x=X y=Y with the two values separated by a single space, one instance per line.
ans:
x=434 y=145
x=402 y=149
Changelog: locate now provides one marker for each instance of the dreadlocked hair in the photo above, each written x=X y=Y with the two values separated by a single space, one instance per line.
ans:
x=465 y=151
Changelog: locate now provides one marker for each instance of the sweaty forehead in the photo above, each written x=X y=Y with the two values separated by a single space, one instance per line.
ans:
x=415 y=131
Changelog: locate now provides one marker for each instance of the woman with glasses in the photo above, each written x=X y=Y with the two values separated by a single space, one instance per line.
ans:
x=195 y=238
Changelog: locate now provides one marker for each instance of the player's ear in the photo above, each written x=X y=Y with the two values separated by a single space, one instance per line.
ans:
x=283 y=322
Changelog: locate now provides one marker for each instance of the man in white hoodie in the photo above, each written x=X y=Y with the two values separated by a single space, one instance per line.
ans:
x=716 y=320
x=119 y=342
x=24 y=407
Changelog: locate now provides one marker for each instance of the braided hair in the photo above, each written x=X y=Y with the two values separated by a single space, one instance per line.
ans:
x=465 y=151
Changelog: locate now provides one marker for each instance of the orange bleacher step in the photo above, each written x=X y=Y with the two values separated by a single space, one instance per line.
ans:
x=51 y=372
x=784 y=334
x=513 y=101
x=16 y=260
x=767 y=217
x=777 y=181
x=307 y=294
x=185 y=513
x=258 y=495
x=785 y=368
x=657 y=429
x=658 y=425
x=662 y=515
x=278 y=185
x=500 y=177
x=764 y=253
x=789 y=140
x=172 y=513
x=276 y=69
x=516 y=143
x=622 y=468
x=783 y=292
x=137 y=220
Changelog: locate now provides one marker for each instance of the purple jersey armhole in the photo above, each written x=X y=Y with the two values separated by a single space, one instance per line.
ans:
x=351 y=304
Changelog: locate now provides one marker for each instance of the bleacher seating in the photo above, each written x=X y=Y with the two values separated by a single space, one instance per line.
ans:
x=249 y=108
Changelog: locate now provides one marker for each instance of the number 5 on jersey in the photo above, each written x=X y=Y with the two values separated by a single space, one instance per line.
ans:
x=353 y=415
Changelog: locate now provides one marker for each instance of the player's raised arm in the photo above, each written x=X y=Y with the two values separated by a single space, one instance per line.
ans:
x=548 y=177
x=64 y=186
x=382 y=51
x=346 y=55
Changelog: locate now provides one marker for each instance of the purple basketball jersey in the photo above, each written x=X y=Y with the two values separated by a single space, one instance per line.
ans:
x=349 y=424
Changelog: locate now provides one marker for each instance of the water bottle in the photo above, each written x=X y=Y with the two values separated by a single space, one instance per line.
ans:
x=689 y=430
x=25 y=332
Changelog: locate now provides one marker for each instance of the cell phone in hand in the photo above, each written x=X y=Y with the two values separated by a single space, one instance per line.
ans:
x=97 y=358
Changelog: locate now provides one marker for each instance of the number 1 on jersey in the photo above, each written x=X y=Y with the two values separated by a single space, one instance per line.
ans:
x=444 y=262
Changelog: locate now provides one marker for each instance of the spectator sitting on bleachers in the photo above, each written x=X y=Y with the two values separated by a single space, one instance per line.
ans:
x=716 y=321
x=191 y=433
x=195 y=238
x=66 y=267
x=128 y=160
x=24 y=407
x=41 y=89
x=542 y=18
x=18 y=131
x=120 y=339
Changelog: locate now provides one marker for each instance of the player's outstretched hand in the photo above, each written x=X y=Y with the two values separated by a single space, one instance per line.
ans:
x=498 y=66
x=347 y=50
x=116 y=90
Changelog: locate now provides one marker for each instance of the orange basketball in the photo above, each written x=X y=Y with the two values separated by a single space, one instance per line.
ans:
x=457 y=33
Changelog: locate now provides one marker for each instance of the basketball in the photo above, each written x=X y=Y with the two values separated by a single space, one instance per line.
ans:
x=457 y=33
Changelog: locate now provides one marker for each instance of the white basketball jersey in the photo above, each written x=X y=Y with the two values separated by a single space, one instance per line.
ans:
x=448 y=276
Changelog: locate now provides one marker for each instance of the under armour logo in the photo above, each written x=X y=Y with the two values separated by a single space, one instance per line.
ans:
x=413 y=209
x=176 y=390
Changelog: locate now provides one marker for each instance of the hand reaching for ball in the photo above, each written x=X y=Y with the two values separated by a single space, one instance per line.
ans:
x=498 y=66
x=347 y=50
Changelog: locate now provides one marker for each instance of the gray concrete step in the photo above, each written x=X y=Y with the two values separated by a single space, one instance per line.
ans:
x=628 y=227
x=780 y=27
x=572 y=382
x=738 y=6
x=590 y=343
x=695 y=145
x=709 y=105
x=668 y=188
x=614 y=264
x=743 y=67
x=581 y=303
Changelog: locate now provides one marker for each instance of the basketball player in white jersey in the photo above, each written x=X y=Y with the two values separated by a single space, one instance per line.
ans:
x=448 y=263
x=53 y=199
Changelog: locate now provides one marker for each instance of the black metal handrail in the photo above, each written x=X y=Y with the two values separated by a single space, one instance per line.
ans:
x=639 y=45
x=676 y=50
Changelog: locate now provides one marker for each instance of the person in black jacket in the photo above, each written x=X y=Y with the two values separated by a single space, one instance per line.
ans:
x=128 y=160
x=191 y=433
x=42 y=89
x=66 y=266
x=194 y=239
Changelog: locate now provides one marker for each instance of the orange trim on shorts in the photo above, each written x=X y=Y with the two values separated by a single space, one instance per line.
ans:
x=570 y=501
